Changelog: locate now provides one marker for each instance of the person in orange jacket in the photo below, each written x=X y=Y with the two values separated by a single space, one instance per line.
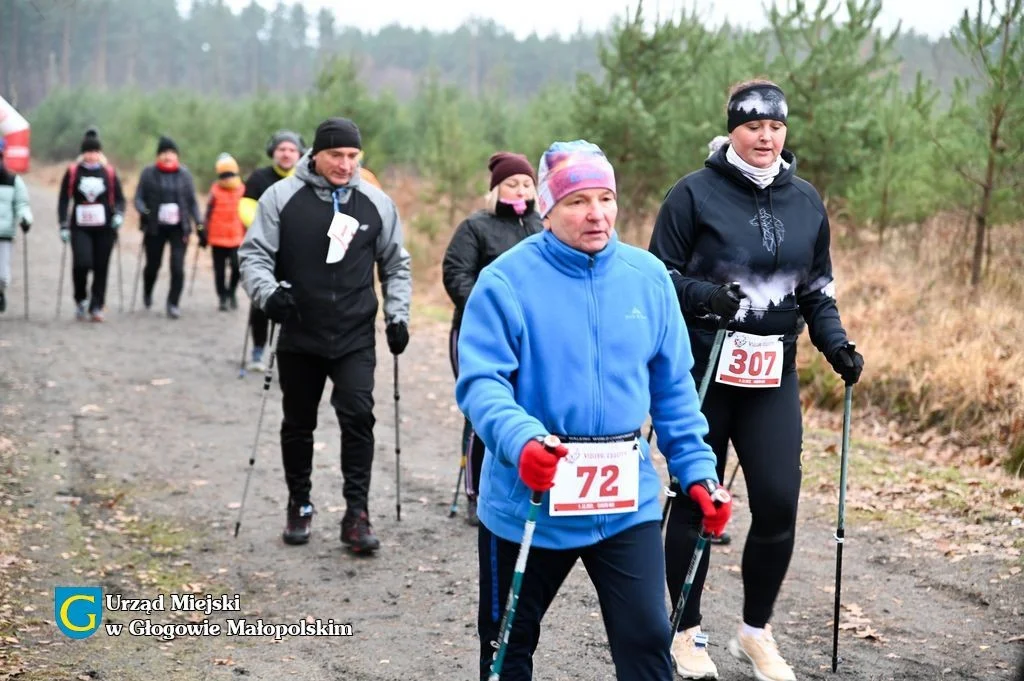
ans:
x=224 y=229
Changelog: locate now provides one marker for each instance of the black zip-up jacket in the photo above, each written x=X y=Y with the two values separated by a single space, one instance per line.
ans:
x=716 y=226
x=477 y=241
x=337 y=302
x=156 y=187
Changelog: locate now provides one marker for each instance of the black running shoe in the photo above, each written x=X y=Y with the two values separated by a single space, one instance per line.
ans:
x=357 y=533
x=300 y=517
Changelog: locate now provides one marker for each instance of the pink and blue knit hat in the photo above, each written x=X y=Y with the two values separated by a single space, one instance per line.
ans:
x=567 y=167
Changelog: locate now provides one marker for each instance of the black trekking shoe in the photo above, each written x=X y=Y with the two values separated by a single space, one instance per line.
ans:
x=3 y=302
x=300 y=517
x=725 y=539
x=147 y=300
x=357 y=533
x=223 y=307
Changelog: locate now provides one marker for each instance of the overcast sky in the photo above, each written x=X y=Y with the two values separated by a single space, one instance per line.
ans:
x=931 y=17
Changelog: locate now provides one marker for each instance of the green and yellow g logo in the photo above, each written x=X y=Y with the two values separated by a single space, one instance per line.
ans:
x=78 y=610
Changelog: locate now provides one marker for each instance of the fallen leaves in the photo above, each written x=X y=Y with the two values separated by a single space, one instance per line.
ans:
x=859 y=624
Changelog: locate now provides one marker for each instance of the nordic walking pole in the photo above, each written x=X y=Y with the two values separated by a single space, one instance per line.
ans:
x=398 y=453
x=24 y=251
x=454 y=508
x=691 y=574
x=60 y=278
x=195 y=266
x=120 y=274
x=840 y=525
x=550 y=443
x=466 y=434
x=716 y=349
x=138 y=273
x=267 y=380
x=245 y=346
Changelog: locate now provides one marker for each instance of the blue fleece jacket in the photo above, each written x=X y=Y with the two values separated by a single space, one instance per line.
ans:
x=557 y=341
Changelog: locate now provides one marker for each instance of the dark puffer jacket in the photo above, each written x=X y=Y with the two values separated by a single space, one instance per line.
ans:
x=477 y=241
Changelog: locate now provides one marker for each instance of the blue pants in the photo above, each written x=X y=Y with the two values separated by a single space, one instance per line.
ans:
x=628 y=572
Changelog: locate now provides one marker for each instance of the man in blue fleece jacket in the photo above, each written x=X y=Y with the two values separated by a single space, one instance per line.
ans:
x=576 y=334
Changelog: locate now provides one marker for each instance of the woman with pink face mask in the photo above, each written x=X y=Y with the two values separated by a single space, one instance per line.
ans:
x=508 y=217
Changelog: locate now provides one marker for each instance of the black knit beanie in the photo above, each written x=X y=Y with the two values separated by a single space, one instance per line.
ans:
x=166 y=144
x=337 y=132
x=91 y=141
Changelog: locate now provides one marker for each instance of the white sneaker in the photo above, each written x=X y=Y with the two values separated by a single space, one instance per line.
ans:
x=257 y=365
x=763 y=653
x=690 y=655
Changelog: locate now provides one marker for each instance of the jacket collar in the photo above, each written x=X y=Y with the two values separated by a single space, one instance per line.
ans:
x=576 y=263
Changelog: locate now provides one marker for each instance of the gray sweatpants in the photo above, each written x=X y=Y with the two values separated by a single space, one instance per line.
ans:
x=5 y=263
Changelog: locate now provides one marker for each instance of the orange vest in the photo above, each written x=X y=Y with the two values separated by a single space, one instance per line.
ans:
x=225 y=228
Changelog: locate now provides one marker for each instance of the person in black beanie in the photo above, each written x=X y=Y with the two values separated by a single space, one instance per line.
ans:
x=327 y=314
x=746 y=241
x=508 y=217
x=166 y=201
x=284 y=149
x=90 y=211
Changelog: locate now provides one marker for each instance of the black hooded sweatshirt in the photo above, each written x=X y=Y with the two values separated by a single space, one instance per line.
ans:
x=716 y=226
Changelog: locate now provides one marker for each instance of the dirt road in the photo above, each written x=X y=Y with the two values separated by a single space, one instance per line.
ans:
x=125 y=446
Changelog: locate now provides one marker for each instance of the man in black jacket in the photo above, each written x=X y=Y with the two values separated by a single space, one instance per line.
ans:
x=322 y=230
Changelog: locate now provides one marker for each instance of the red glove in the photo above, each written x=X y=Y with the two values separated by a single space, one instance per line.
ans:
x=715 y=503
x=537 y=464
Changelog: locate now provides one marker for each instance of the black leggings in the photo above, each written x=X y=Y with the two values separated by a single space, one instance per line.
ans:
x=222 y=257
x=175 y=237
x=766 y=431
x=472 y=446
x=90 y=250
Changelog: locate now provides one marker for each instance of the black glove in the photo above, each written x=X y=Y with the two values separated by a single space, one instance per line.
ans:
x=847 y=362
x=725 y=301
x=201 y=233
x=280 y=306
x=25 y=226
x=398 y=337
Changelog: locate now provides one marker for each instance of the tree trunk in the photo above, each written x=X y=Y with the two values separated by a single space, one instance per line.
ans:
x=984 y=210
x=129 y=69
x=883 y=217
x=65 y=52
x=101 y=48
x=980 y=227
x=16 y=66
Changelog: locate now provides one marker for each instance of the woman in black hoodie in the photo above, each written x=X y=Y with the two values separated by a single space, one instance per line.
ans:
x=508 y=218
x=746 y=239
